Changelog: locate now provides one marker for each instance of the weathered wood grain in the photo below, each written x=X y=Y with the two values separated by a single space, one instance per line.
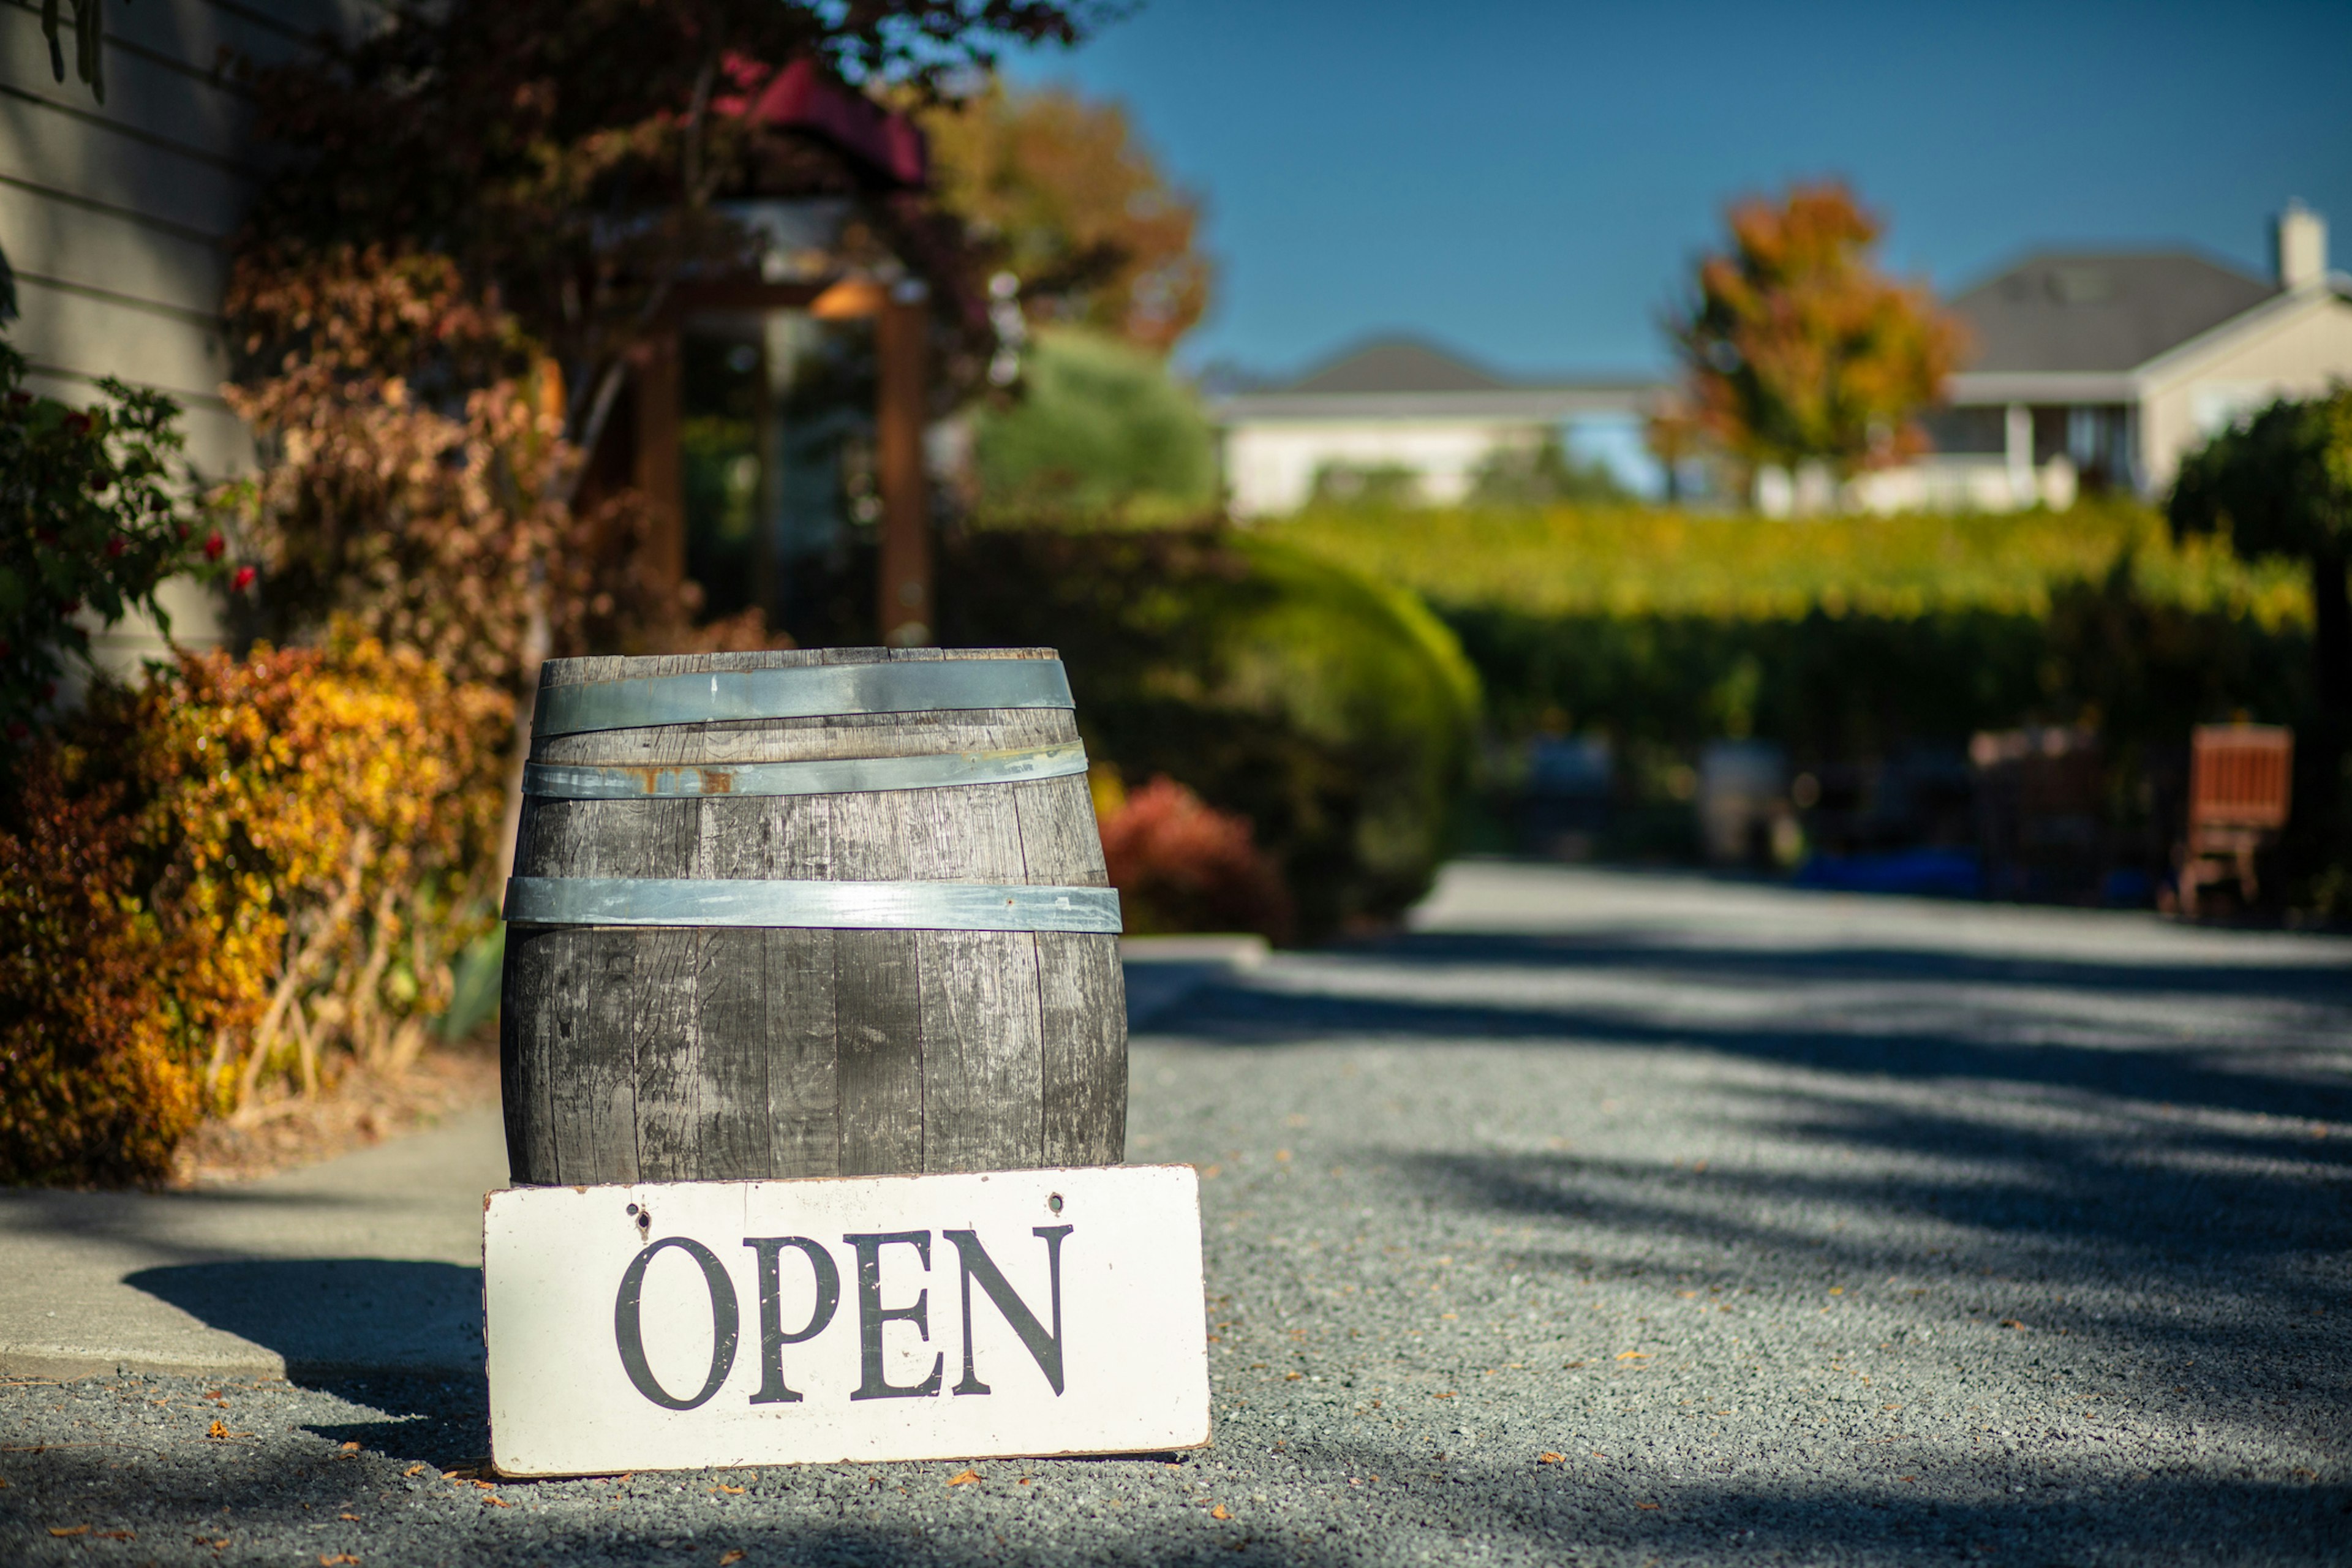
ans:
x=1082 y=990
x=777 y=986
x=706 y=1054
x=983 y=1049
x=877 y=989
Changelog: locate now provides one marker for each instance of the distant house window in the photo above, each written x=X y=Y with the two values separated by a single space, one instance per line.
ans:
x=1965 y=432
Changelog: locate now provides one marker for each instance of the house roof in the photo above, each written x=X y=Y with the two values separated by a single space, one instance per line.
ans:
x=1396 y=364
x=2086 y=311
x=1391 y=379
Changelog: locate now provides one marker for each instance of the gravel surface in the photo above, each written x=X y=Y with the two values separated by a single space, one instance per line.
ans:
x=1643 y=1235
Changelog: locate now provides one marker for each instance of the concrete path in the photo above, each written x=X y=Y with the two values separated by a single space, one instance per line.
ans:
x=1597 y=1217
x=370 y=1261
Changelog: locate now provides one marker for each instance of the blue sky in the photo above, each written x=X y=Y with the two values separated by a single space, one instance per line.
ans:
x=1528 y=182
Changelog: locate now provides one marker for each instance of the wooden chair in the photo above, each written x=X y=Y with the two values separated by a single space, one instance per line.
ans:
x=2240 y=788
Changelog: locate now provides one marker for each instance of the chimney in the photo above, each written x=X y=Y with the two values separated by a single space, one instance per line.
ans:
x=2301 y=245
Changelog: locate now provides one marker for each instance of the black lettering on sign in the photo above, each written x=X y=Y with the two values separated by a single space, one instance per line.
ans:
x=872 y=1315
x=976 y=1264
x=629 y=1334
x=772 y=1338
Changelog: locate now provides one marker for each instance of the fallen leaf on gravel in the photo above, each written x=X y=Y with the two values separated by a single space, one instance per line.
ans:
x=68 y=1530
x=1633 y=1355
x=4 y=1484
x=1219 y=1512
x=2011 y=1323
x=735 y=1556
x=1890 y=1408
x=732 y=1492
x=340 y=1560
x=116 y=1535
x=415 y=1469
x=218 y=1430
x=964 y=1478
x=1447 y=1395
x=353 y=1517
x=1907 y=1478
x=497 y=1502
x=1552 y=1459
x=351 y=1448
x=1566 y=1364
x=1292 y=1376
x=1651 y=1507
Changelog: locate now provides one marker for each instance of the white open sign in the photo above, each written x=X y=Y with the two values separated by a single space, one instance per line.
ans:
x=680 y=1324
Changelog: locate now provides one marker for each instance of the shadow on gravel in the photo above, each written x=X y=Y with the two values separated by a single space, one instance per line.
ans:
x=1243 y=1014
x=1635 y=953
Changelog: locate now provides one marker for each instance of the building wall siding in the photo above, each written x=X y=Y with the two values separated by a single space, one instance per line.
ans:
x=117 y=217
x=2296 y=355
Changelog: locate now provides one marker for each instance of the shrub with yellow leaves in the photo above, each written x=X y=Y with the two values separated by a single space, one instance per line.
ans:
x=229 y=882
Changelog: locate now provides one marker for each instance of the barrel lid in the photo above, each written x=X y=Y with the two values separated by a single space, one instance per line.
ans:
x=802 y=692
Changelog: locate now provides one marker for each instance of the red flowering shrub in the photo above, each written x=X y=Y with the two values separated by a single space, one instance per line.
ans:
x=1181 y=865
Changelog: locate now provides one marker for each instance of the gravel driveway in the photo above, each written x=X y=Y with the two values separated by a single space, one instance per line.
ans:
x=1601 y=1219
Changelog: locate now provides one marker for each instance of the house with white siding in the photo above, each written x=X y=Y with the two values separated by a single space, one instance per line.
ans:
x=1408 y=407
x=2101 y=369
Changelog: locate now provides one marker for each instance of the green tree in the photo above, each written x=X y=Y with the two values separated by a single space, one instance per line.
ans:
x=1796 y=348
x=2280 y=485
x=1101 y=428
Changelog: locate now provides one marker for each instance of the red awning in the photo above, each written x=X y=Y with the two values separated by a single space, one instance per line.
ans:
x=802 y=97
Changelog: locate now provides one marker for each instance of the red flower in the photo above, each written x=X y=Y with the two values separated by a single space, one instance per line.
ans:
x=242 y=581
x=115 y=547
x=18 y=399
x=70 y=606
x=78 y=423
x=17 y=730
x=214 y=546
x=48 y=690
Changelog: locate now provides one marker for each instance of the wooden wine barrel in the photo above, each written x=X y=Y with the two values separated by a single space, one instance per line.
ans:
x=832 y=913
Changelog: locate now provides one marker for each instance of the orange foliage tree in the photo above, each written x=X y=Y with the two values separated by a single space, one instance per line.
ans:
x=1069 y=200
x=1796 y=348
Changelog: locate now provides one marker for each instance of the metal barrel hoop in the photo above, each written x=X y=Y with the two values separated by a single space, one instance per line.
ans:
x=872 y=906
x=802 y=692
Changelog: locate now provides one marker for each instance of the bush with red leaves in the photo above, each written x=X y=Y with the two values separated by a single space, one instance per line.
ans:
x=1181 y=865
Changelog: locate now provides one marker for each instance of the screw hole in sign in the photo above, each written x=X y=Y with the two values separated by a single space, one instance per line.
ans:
x=1054 y=1202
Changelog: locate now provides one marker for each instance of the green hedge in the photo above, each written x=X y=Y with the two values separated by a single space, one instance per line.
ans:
x=1864 y=686
x=1336 y=714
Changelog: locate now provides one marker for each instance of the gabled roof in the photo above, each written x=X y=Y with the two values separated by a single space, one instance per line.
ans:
x=2064 y=311
x=1396 y=364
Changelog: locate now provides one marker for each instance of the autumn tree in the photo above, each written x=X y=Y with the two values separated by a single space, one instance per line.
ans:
x=1064 y=195
x=1796 y=348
